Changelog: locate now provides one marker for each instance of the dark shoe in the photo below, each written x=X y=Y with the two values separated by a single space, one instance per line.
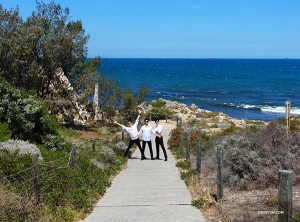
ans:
x=157 y=158
x=152 y=158
x=166 y=159
x=144 y=158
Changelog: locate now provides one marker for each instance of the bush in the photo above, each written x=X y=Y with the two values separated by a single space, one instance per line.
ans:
x=159 y=113
x=184 y=165
x=257 y=155
x=202 y=202
x=5 y=133
x=195 y=135
x=21 y=147
x=158 y=103
x=27 y=118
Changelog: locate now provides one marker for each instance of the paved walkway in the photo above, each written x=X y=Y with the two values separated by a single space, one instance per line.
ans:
x=148 y=190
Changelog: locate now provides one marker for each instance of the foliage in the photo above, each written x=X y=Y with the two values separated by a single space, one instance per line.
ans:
x=202 y=202
x=296 y=217
x=109 y=97
x=273 y=201
x=159 y=113
x=229 y=130
x=12 y=163
x=187 y=175
x=27 y=118
x=21 y=147
x=184 y=165
x=195 y=135
x=34 y=51
x=5 y=133
x=158 y=103
x=66 y=192
x=130 y=100
x=257 y=155
x=178 y=152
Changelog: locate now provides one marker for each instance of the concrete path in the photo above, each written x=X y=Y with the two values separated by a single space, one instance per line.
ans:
x=148 y=190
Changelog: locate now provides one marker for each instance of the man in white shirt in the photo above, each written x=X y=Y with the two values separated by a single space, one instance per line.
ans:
x=159 y=139
x=146 y=132
x=134 y=137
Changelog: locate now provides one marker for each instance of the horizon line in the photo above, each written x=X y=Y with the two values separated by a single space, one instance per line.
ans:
x=209 y=58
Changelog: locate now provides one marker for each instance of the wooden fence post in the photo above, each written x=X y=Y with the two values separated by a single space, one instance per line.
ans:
x=220 y=175
x=288 y=116
x=285 y=195
x=122 y=135
x=93 y=145
x=35 y=175
x=107 y=141
x=199 y=156
x=181 y=141
x=188 y=147
x=73 y=155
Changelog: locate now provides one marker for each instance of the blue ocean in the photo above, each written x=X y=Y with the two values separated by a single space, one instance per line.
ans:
x=254 y=89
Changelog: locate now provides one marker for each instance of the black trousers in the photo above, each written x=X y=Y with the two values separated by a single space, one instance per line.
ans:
x=137 y=142
x=150 y=147
x=160 y=141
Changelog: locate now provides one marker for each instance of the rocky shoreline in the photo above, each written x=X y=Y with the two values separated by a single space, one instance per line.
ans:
x=211 y=122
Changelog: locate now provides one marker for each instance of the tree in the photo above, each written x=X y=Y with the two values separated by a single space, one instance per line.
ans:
x=142 y=94
x=109 y=94
x=131 y=101
x=34 y=51
x=10 y=22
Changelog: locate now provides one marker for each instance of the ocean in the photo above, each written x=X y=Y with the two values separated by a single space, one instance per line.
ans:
x=253 y=89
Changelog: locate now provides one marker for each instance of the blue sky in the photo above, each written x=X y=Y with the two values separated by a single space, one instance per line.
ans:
x=184 y=28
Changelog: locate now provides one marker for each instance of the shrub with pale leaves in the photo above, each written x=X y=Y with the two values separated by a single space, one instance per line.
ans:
x=20 y=146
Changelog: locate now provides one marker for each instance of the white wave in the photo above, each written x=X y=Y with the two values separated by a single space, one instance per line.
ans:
x=280 y=109
x=249 y=106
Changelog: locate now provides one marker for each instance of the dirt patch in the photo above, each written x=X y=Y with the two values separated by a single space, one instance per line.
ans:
x=87 y=135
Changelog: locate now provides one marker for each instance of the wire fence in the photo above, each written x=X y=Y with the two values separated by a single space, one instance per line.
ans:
x=24 y=190
x=277 y=202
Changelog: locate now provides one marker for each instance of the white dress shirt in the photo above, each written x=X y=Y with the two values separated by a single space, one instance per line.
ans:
x=146 y=132
x=132 y=131
x=158 y=129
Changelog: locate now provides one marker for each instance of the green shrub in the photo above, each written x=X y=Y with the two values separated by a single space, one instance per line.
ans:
x=158 y=103
x=296 y=217
x=5 y=133
x=12 y=163
x=159 y=113
x=178 y=152
x=202 y=202
x=184 y=165
x=27 y=118
x=187 y=175
x=273 y=201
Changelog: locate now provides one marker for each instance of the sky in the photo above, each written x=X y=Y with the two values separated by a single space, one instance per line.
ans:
x=184 y=28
